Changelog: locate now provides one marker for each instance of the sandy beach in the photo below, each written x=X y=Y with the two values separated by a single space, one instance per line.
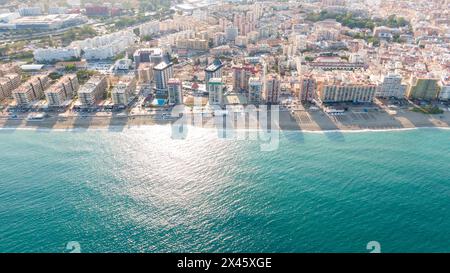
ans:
x=297 y=120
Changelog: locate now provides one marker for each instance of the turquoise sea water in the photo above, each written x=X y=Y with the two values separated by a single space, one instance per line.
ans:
x=140 y=191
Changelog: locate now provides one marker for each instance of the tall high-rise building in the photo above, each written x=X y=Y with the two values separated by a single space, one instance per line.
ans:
x=148 y=55
x=92 y=90
x=347 y=93
x=391 y=87
x=244 y=23
x=307 y=88
x=255 y=89
x=162 y=73
x=31 y=90
x=345 y=87
x=62 y=91
x=30 y=11
x=231 y=32
x=9 y=68
x=56 y=54
x=8 y=83
x=175 y=91
x=145 y=72
x=241 y=75
x=445 y=90
x=214 y=70
x=216 y=89
x=272 y=89
x=424 y=89
x=123 y=91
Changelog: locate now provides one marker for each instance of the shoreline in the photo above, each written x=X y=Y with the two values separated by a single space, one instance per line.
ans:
x=306 y=122
x=147 y=127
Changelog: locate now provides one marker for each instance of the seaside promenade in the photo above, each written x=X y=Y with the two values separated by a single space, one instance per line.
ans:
x=288 y=120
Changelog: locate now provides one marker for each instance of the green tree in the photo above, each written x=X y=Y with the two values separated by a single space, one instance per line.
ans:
x=70 y=68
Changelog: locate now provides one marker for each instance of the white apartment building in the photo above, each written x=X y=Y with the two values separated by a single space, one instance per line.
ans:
x=180 y=23
x=31 y=90
x=255 y=89
x=271 y=92
x=253 y=36
x=150 y=28
x=327 y=30
x=307 y=88
x=92 y=90
x=194 y=44
x=289 y=50
x=391 y=86
x=344 y=86
x=347 y=93
x=172 y=39
x=445 y=91
x=56 y=54
x=219 y=38
x=123 y=91
x=9 y=68
x=221 y=50
x=153 y=55
x=62 y=91
x=385 y=32
x=106 y=46
x=216 y=88
x=175 y=91
x=56 y=10
x=162 y=73
x=145 y=73
x=241 y=41
x=97 y=48
x=7 y=18
x=213 y=70
x=356 y=58
x=231 y=32
x=200 y=14
x=8 y=83
x=99 y=53
x=30 y=11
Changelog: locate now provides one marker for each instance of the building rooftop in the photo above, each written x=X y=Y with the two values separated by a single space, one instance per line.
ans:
x=57 y=86
x=235 y=99
x=216 y=64
x=216 y=81
x=152 y=50
x=174 y=81
x=29 y=67
x=162 y=65
x=90 y=85
x=343 y=78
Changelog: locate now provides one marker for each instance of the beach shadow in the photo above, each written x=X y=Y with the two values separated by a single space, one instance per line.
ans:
x=410 y=119
x=44 y=125
x=328 y=126
x=437 y=120
x=11 y=124
x=82 y=122
x=290 y=126
x=117 y=123
x=225 y=127
x=443 y=119
x=379 y=120
x=196 y=120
